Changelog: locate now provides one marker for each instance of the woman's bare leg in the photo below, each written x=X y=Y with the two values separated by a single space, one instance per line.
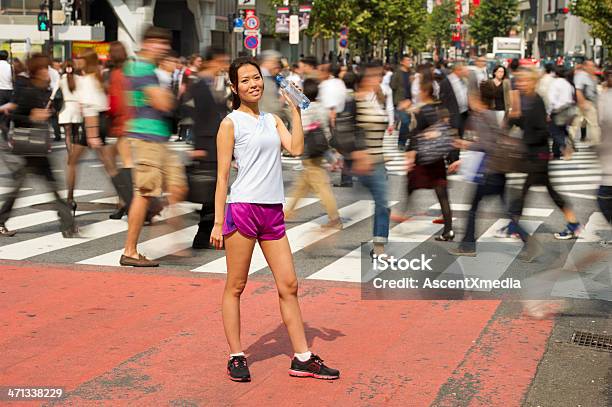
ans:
x=73 y=161
x=239 y=250
x=279 y=258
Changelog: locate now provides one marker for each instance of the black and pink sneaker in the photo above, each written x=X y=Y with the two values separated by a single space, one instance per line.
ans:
x=313 y=367
x=237 y=369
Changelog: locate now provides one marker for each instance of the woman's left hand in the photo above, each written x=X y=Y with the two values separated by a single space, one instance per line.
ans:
x=94 y=142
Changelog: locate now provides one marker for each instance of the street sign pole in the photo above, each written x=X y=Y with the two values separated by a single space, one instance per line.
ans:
x=50 y=52
x=294 y=12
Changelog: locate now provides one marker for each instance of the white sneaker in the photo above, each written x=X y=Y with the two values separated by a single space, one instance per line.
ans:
x=504 y=234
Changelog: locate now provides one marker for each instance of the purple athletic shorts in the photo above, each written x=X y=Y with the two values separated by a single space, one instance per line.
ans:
x=260 y=221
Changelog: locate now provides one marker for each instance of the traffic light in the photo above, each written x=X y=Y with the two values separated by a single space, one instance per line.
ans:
x=43 y=21
x=563 y=10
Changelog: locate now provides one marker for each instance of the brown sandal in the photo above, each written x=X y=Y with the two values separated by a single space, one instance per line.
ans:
x=141 y=261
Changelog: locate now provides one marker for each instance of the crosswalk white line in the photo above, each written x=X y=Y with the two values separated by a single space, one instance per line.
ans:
x=33 y=219
x=47 y=197
x=302 y=236
x=573 y=187
x=592 y=281
x=539 y=212
x=165 y=245
x=6 y=190
x=348 y=267
x=492 y=260
x=575 y=195
x=558 y=173
x=558 y=180
x=579 y=161
x=48 y=243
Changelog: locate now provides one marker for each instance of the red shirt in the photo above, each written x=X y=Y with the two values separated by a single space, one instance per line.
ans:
x=118 y=112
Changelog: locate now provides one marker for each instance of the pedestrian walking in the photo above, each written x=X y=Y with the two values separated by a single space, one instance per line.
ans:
x=315 y=122
x=429 y=175
x=6 y=90
x=210 y=109
x=70 y=117
x=157 y=169
x=372 y=118
x=561 y=112
x=255 y=213
x=530 y=117
x=30 y=112
x=94 y=105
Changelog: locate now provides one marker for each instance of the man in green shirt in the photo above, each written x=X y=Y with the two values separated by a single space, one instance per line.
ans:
x=157 y=169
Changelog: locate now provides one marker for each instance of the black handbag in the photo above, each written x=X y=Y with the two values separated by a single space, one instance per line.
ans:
x=434 y=143
x=316 y=143
x=30 y=141
x=202 y=184
x=510 y=154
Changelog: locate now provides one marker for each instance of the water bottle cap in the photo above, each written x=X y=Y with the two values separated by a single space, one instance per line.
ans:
x=279 y=79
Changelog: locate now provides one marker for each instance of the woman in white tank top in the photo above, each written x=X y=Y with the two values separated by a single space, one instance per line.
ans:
x=255 y=213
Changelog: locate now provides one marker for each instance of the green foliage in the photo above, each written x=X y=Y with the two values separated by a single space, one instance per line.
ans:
x=439 y=21
x=597 y=14
x=397 y=21
x=493 y=18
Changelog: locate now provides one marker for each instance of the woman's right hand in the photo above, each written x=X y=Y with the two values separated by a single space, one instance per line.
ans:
x=216 y=236
x=40 y=115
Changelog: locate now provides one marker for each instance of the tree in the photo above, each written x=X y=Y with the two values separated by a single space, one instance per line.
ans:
x=493 y=18
x=597 y=14
x=439 y=22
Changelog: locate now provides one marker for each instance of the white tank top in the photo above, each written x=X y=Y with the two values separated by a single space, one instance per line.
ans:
x=257 y=150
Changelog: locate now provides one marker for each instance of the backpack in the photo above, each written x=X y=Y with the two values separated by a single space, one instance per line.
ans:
x=315 y=142
x=344 y=133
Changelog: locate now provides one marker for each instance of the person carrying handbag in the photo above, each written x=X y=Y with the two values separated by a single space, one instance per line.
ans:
x=315 y=121
x=31 y=111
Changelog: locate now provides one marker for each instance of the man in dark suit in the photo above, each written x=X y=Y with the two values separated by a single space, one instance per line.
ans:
x=454 y=97
x=210 y=109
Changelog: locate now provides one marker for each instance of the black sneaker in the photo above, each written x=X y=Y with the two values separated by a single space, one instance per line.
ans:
x=313 y=367
x=237 y=369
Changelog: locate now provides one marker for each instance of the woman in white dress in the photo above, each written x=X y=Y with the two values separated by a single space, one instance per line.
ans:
x=70 y=116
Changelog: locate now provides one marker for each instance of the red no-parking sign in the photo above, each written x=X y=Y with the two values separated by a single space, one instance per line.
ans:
x=251 y=42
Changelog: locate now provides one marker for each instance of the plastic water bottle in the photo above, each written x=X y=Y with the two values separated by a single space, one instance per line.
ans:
x=297 y=97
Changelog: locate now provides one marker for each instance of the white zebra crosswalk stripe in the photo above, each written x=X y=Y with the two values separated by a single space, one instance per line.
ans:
x=49 y=243
x=348 y=267
x=164 y=245
x=538 y=212
x=593 y=280
x=558 y=173
x=558 y=180
x=37 y=199
x=34 y=219
x=6 y=190
x=492 y=260
x=301 y=236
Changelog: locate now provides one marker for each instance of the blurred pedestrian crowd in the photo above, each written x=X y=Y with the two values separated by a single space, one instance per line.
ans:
x=448 y=119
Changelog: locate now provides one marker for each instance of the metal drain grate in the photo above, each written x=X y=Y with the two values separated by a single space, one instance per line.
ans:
x=591 y=340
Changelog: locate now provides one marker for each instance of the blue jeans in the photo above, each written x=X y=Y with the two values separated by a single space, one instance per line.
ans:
x=559 y=135
x=404 y=119
x=493 y=184
x=376 y=183
x=604 y=199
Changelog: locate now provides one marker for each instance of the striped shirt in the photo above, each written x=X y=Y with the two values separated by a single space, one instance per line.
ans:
x=373 y=119
x=146 y=122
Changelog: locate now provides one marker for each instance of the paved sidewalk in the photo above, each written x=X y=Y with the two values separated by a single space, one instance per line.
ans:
x=113 y=336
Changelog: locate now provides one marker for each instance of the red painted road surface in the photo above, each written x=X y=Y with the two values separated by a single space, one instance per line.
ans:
x=115 y=337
